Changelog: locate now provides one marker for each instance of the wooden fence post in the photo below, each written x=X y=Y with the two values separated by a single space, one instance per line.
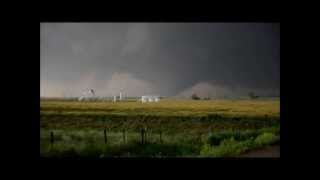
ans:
x=105 y=135
x=142 y=136
x=51 y=138
x=145 y=136
x=124 y=136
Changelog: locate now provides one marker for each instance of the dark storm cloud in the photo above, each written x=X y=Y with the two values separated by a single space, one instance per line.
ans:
x=159 y=58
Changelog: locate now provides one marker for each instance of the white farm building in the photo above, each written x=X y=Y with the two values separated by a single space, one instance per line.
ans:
x=150 y=99
x=87 y=95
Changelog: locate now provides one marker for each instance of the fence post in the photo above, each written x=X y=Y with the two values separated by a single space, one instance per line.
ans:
x=105 y=135
x=160 y=136
x=51 y=138
x=124 y=136
x=145 y=136
x=142 y=136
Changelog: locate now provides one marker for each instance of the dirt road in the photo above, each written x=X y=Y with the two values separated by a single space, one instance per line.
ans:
x=271 y=151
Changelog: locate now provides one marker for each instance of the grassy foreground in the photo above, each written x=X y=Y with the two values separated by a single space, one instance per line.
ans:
x=90 y=143
x=211 y=128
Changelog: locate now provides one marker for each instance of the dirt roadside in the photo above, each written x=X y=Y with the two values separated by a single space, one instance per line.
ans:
x=271 y=151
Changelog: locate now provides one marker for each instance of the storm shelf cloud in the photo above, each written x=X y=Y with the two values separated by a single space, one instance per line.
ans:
x=168 y=59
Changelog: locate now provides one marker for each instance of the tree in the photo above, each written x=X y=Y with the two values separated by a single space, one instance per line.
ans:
x=195 y=97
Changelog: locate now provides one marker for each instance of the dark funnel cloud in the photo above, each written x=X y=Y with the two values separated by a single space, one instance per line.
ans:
x=168 y=59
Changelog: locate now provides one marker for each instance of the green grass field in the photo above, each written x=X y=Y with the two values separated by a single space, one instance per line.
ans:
x=188 y=127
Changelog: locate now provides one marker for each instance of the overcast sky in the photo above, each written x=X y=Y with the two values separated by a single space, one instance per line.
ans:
x=167 y=59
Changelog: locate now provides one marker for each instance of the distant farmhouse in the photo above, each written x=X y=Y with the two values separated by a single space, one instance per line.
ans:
x=150 y=99
x=87 y=95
